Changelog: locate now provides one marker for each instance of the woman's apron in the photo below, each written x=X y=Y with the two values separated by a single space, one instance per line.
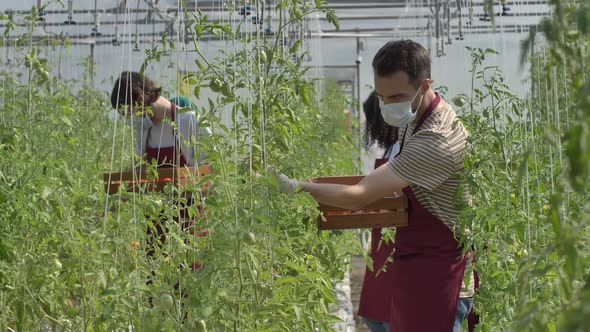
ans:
x=377 y=287
x=167 y=157
x=428 y=267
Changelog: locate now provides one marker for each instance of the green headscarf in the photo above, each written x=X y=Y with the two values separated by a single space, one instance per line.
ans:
x=182 y=101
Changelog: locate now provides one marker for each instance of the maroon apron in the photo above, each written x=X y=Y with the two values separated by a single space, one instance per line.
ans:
x=166 y=156
x=428 y=267
x=377 y=287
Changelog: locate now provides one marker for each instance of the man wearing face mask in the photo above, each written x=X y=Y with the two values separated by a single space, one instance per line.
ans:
x=429 y=267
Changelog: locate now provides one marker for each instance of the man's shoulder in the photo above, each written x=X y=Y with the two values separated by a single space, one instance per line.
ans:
x=443 y=120
x=443 y=114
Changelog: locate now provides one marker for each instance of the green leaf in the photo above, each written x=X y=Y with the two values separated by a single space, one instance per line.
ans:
x=554 y=217
x=197 y=91
x=200 y=65
x=286 y=280
x=332 y=18
x=297 y=312
x=225 y=28
x=295 y=46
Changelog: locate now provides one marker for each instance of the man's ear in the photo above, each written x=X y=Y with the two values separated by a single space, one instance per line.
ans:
x=426 y=85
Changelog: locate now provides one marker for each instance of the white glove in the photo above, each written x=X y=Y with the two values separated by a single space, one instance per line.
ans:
x=287 y=185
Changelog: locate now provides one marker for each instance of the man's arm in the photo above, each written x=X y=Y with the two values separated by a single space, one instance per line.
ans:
x=380 y=183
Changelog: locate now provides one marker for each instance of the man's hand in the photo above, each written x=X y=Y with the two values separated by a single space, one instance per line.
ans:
x=287 y=185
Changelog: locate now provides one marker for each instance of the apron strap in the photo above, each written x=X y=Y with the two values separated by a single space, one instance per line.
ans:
x=388 y=151
x=173 y=111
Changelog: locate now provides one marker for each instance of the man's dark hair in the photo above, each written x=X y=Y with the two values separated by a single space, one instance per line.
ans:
x=376 y=130
x=133 y=88
x=406 y=56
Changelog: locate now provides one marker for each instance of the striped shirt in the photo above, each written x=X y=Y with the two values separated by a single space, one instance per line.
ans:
x=432 y=162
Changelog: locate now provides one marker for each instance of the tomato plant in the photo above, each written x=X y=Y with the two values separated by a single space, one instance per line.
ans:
x=73 y=258
x=527 y=221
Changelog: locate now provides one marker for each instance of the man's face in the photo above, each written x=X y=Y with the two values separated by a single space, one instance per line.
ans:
x=395 y=88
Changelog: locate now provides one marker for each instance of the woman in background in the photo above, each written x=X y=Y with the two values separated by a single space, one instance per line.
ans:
x=377 y=288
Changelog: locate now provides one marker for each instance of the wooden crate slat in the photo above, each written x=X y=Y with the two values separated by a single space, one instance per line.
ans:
x=387 y=203
x=190 y=175
x=370 y=220
x=137 y=181
x=194 y=171
x=132 y=175
x=144 y=185
x=338 y=179
x=385 y=212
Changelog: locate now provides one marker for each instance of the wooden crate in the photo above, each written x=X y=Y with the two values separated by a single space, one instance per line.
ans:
x=140 y=181
x=386 y=212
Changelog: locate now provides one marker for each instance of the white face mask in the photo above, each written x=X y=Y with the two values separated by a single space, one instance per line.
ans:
x=399 y=114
